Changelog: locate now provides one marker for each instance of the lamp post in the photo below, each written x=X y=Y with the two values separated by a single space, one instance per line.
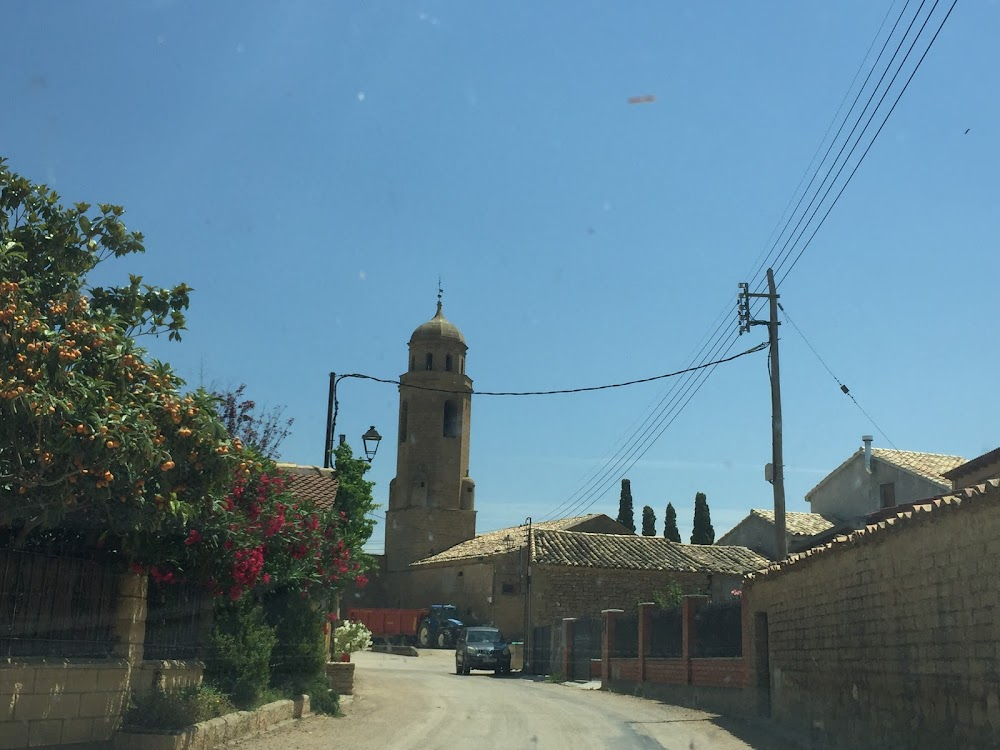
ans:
x=370 y=439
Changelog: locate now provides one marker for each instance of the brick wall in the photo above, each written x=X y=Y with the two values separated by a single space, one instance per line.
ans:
x=562 y=591
x=890 y=640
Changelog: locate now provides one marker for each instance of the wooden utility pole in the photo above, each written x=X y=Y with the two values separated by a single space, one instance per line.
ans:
x=777 y=474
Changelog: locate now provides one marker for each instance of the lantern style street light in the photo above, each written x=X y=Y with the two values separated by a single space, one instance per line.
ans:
x=371 y=440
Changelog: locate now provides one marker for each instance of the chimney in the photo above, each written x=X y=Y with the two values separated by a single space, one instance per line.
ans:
x=867 y=440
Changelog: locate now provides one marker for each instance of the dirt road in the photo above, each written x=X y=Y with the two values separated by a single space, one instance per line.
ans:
x=421 y=704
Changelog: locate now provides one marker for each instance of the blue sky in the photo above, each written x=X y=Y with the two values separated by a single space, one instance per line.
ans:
x=310 y=169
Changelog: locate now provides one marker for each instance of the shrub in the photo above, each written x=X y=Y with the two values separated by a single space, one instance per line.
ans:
x=240 y=650
x=299 y=660
x=160 y=710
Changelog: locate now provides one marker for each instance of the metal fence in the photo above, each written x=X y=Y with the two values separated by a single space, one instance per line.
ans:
x=720 y=630
x=626 y=644
x=587 y=633
x=52 y=605
x=173 y=621
x=667 y=633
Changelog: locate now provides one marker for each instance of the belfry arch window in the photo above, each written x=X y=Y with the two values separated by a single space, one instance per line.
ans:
x=429 y=362
x=452 y=420
x=403 y=411
x=461 y=365
x=447 y=363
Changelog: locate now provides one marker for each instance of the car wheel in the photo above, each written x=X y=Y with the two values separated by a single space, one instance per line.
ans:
x=465 y=668
x=442 y=640
x=424 y=636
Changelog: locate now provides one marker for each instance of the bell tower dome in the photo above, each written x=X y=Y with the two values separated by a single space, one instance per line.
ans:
x=432 y=498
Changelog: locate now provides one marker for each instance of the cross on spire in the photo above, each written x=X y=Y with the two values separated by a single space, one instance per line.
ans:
x=440 y=292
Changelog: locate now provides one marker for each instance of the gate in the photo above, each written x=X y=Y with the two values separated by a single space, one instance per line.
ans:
x=541 y=650
x=587 y=633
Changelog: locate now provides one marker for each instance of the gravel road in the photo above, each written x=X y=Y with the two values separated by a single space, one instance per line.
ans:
x=421 y=704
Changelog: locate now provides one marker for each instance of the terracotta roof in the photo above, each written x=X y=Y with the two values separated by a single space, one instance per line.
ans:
x=500 y=541
x=312 y=483
x=930 y=466
x=974 y=464
x=581 y=549
x=797 y=523
x=919 y=512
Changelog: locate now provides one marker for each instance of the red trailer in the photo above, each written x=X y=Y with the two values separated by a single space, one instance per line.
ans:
x=437 y=625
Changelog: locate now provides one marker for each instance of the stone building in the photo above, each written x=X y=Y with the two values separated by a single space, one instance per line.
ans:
x=875 y=478
x=757 y=531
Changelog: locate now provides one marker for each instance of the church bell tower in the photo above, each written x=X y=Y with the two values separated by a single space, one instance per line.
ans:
x=432 y=498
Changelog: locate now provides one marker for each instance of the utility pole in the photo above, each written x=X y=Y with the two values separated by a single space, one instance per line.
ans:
x=331 y=400
x=777 y=473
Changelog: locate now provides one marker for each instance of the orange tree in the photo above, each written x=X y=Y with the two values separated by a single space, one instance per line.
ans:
x=92 y=435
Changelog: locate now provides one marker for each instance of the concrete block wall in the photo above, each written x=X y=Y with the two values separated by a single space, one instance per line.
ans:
x=891 y=640
x=57 y=702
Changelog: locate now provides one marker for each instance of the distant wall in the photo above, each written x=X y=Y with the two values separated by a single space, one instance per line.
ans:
x=559 y=591
x=889 y=640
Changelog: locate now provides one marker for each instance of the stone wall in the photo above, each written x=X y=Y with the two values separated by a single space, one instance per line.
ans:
x=890 y=639
x=559 y=591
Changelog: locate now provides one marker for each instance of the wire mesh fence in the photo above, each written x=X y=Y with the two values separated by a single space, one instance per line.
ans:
x=54 y=605
x=174 y=615
x=720 y=630
x=626 y=644
x=666 y=635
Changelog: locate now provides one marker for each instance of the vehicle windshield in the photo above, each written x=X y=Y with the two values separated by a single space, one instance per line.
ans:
x=484 y=636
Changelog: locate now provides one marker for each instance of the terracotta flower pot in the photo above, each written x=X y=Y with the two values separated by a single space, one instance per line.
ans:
x=345 y=657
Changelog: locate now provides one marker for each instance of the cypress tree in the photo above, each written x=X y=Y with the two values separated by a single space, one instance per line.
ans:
x=670 y=524
x=626 y=517
x=702 y=533
x=648 y=521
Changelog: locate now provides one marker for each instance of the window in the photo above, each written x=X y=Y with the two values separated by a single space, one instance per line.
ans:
x=887 y=494
x=452 y=421
x=507 y=588
x=403 y=412
x=461 y=365
x=447 y=363
x=429 y=362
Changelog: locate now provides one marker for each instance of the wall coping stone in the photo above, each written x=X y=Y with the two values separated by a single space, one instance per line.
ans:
x=213 y=732
x=60 y=662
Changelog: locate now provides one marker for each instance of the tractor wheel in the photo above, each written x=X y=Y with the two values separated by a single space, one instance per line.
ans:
x=442 y=640
x=424 y=636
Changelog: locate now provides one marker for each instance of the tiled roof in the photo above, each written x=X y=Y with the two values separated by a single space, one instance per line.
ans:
x=797 y=523
x=312 y=483
x=974 y=464
x=580 y=549
x=500 y=541
x=930 y=466
x=919 y=512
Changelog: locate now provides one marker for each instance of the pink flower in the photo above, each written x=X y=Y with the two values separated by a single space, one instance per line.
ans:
x=194 y=536
x=267 y=578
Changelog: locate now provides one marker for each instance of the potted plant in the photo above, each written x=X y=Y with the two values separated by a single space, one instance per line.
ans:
x=348 y=637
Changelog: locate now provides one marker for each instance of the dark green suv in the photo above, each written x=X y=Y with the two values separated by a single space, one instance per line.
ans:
x=482 y=648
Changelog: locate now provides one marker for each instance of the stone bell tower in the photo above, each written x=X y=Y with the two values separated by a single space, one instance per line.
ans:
x=432 y=498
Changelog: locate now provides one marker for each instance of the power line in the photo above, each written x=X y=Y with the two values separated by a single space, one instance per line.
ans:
x=560 y=391
x=714 y=341
x=844 y=389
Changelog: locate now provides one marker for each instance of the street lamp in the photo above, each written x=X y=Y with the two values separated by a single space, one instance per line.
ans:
x=371 y=440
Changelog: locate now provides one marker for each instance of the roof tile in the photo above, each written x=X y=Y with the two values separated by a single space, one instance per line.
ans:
x=312 y=483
